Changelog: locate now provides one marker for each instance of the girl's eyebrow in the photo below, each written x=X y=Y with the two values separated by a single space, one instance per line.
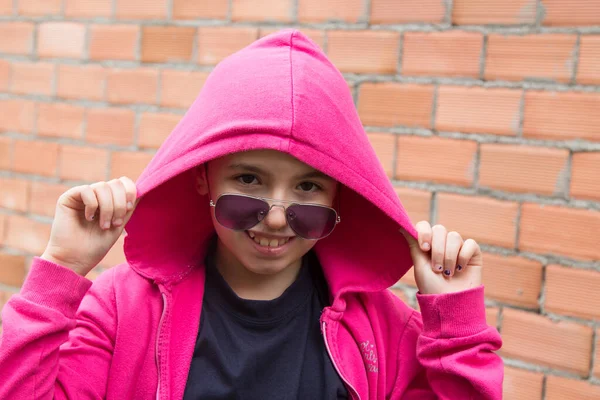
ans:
x=253 y=168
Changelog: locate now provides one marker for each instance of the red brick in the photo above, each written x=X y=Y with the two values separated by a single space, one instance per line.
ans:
x=512 y=280
x=505 y=12
x=216 y=43
x=16 y=37
x=17 y=115
x=132 y=86
x=44 y=197
x=571 y=291
x=488 y=221
x=141 y=9
x=262 y=10
x=3 y=228
x=559 y=388
x=403 y=12
x=520 y=384
x=110 y=126
x=409 y=278
x=539 y=340
x=478 y=110
x=417 y=203
x=32 y=78
x=5 y=152
x=83 y=163
x=330 y=10
x=315 y=35
x=12 y=270
x=196 y=9
x=155 y=127
x=589 y=60
x=572 y=13
x=560 y=231
x=39 y=8
x=167 y=43
x=491 y=316
x=104 y=37
x=6 y=7
x=584 y=176
x=4 y=75
x=395 y=104
x=129 y=164
x=60 y=120
x=61 y=39
x=383 y=144
x=422 y=158
x=562 y=115
x=88 y=8
x=180 y=88
x=81 y=82
x=515 y=58
x=35 y=157
x=523 y=169
x=115 y=255
x=14 y=194
x=364 y=51
x=452 y=53
x=27 y=235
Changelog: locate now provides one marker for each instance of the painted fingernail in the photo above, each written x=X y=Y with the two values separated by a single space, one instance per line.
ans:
x=93 y=217
x=447 y=272
x=439 y=267
x=118 y=222
x=459 y=267
x=426 y=246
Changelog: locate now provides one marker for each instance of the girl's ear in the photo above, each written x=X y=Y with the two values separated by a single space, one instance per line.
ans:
x=201 y=181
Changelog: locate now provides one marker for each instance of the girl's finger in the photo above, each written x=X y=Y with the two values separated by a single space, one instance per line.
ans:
x=453 y=244
x=88 y=197
x=105 y=203
x=130 y=190
x=119 y=201
x=468 y=250
x=424 y=230
x=438 y=247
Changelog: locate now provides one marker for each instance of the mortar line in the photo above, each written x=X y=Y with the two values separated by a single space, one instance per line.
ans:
x=575 y=54
x=169 y=5
x=229 y=16
x=294 y=12
x=544 y=382
x=449 y=7
x=482 y=57
x=542 y=294
x=400 y=59
x=521 y=121
x=593 y=357
x=434 y=106
x=367 y=9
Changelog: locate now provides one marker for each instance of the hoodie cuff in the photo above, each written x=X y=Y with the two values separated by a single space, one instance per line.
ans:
x=54 y=286
x=452 y=315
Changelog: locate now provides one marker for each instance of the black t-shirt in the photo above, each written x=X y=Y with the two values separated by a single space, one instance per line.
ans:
x=254 y=349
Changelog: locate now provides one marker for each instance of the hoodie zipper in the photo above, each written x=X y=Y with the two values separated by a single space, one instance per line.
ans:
x=353 y=391
x=164 y=298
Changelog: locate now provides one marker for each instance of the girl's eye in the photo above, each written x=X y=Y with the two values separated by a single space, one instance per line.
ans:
x=308 y=187
x=246 y=179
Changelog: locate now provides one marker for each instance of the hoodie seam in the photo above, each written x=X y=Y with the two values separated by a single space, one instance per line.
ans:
x=292 y=91
x=408 y=321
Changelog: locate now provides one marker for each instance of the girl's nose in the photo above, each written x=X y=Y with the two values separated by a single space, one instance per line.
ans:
x=275 y=218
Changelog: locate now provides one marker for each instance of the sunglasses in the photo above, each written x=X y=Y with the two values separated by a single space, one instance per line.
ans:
x=242 y=212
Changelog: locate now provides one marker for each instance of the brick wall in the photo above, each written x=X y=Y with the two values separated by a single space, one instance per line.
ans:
x=494 y=104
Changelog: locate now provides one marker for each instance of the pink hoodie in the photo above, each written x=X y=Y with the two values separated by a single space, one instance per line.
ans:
x=131 y=333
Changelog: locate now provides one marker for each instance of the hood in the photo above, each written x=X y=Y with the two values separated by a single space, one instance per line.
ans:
x=279 y=93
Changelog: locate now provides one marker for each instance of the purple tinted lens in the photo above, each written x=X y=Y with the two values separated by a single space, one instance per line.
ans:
x=311 y=222
x=240 y=212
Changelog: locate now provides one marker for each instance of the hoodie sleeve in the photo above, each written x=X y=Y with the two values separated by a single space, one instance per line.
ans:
x=455 y=349
x=58 y=335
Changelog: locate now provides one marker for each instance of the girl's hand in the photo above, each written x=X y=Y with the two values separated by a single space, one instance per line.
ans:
x=443 y=262
x=88 y=221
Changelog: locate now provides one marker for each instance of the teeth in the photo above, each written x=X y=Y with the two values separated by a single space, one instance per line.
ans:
x=266 y=242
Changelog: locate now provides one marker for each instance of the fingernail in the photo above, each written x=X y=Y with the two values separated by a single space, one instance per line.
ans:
x=93 y=217
x=426 y=246
x=459 y=267
x=447 y=272
x=118 y=222
x=439 y=267
x=129 y=205
x=106 y=225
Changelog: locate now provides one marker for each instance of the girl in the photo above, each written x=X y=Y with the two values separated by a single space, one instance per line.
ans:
x=264 y=238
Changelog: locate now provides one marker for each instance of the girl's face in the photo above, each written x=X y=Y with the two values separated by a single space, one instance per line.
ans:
x=270 y=246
